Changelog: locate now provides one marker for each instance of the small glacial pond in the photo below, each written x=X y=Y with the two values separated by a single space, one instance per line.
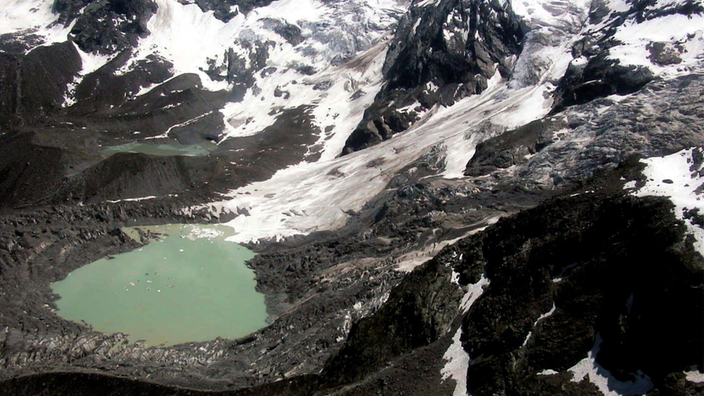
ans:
x=163 y=149
x=189 y=285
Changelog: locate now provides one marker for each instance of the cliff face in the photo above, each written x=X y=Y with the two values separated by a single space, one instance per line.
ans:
x=441 y=52
x=590 y=275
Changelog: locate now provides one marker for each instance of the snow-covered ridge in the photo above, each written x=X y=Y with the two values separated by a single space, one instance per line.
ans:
x=678 y=177
x=665 y=36
x=306 y=69
x=32 y=17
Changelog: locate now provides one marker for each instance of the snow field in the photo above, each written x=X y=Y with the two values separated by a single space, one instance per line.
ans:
x=675 y=177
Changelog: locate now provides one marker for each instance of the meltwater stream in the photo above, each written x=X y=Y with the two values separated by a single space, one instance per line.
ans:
x=187 y=285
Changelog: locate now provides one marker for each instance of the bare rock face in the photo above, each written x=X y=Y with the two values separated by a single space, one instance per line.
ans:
x=107 y=27
x=44 y=75
x=600 y=77
x=441 y=53
x=579 y=256
x=228 y=9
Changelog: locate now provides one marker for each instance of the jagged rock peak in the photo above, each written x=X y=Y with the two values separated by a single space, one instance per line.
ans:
x=442 y=51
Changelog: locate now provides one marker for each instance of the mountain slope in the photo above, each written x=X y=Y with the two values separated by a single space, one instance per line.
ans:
x=446 y=196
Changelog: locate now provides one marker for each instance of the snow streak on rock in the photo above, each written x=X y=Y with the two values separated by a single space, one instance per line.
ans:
x=679 y=178
x=474 y=291
x=456 y=357
x=543 y=316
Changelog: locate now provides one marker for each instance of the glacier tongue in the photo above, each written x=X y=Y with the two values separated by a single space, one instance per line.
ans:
x=317 y=196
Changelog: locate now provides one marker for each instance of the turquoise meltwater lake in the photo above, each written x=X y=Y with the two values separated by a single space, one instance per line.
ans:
x=187 y=285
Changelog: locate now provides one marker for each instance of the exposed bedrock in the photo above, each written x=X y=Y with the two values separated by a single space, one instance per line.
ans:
x=45 y=90
x=562 y=276
x=600 y=77
x=441 y=53
x=618 y=268
x=37 y=82
x=108 y=26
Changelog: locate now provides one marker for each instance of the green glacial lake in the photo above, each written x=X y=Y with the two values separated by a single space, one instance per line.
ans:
x=188 y=285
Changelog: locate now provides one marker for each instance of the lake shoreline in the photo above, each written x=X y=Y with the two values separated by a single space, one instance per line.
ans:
x=200 y=290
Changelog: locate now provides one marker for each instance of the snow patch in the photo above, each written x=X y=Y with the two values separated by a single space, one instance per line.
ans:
x=604 y=380
x=89 y=64
x=457 y=364
x=474 y=291
x=32 y=17
x=694 y=375
x=675 y=177
x=133 y=199
x=683 y=31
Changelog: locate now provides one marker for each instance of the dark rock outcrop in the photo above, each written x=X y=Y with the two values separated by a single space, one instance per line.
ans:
x=108 y=26
x=44 y=76
x=610 y=266
x=440 y=53
x=418 y=312
x=225 y=10
x=600 y=77
x=511 y=148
